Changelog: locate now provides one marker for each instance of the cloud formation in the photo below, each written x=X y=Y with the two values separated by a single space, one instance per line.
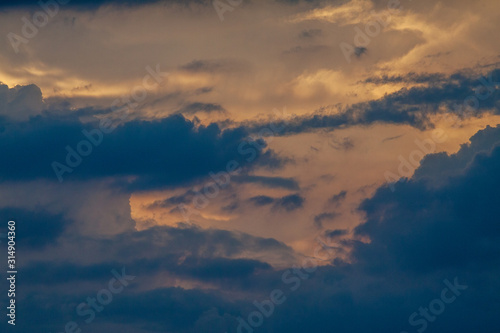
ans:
x=157 y=153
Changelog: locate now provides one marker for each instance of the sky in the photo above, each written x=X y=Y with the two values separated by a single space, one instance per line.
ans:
x=241 y=166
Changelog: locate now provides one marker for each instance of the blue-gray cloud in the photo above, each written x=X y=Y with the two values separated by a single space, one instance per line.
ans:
x=272 y=182
x=166 y=152
x=419 y=235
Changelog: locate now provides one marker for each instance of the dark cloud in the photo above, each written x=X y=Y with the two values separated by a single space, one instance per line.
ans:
x=193 y=108
x=290 y=202
x=37 y=228
x=411 y=106
x=310 y=33
x=175 y=200
x=318 y=219
x=214 y=66
x=392 y=138
x=185 y=251
x=456 y=220
x=359 y=50
x=337 y=199
x=231 y=207
x=49 y=274
x=50 y=296
x=438 y=54
x=413 y=239
x=336 y=233
x=165 y=309
x=344 y=144
x=272 y=182
x=416 y=238
x=203 y=269
x=221 y=268
x=204 y=90
x=158 y=153
x=269 y=159
x=437 y=169
x=411 y=77
x=262 y=200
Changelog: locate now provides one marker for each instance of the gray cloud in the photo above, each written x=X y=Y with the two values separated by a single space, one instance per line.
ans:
x=318 y=219
x=271 y=182
x=20 y=102
x=288 y=202
x=196 y=107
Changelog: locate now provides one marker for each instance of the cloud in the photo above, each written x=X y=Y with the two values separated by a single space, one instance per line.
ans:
x=336 y=233
x=337 y=199
x=318 y=219
x=437 y=169
x=344 y=144
x=359 y=50
x=213 y=66
x=411 y=77
x=271 y=182
x=231 y=207
x=310 y=33
x=171 y=309
x=161 y=255
x=410 y=106
x=20 y=102
x=262 y=200
x=175 y=200
x=196 y=107
x=188 y=252
x=454 y=219
x=271 y=160
x=437 y=225
x=413 y=239
x=159 y=153
x=392 y=138
x=290 y=202
x=37 y=228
